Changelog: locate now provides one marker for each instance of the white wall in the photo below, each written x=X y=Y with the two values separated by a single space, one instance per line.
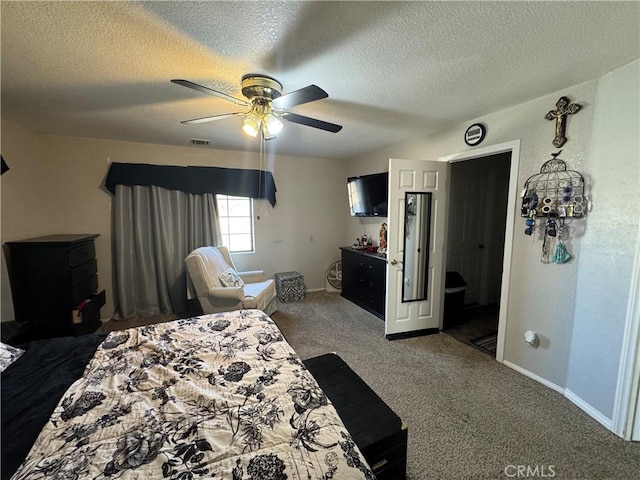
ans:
x=547 y=298
x=18 y=207
x=54 y=185
x=610 y=237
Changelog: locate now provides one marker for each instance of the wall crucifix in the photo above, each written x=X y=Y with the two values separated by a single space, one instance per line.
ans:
x=560 y=114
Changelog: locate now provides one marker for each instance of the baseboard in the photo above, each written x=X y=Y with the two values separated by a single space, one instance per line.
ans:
x=568 y=394
x=588 y=409
x=413 y=333
x=535 y=377
x=311 y=290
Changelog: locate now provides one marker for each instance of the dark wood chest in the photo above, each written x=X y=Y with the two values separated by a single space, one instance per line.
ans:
x=54 y=282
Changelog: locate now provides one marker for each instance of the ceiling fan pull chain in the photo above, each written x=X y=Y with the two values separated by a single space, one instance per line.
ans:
x=262 y=171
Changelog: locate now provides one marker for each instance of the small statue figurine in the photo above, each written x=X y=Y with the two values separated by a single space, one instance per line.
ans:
x=383 y=238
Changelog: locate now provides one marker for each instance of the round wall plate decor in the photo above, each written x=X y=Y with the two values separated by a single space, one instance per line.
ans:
x=475 y=134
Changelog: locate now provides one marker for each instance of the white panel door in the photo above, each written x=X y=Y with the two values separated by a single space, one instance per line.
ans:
x=415 y=176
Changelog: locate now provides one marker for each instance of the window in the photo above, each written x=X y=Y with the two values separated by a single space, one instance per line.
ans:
x=235 y=215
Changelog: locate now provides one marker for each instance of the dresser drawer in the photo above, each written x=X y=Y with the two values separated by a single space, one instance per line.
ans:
x=90 y=311
x=81 y=254
x=84 y=271
x=84 y=290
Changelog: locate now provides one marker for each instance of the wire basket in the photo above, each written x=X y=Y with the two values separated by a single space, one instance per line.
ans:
x=555 y=191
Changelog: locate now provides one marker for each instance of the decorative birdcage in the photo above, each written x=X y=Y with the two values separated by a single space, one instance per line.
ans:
x=555 y=191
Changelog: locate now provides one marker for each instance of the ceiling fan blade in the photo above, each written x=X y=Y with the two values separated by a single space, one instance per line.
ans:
x=298 y=97
x=311 y=122
x=213 y=118
x=209 y=91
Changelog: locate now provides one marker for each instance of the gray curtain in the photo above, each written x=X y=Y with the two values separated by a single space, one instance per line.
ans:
x=154 y=230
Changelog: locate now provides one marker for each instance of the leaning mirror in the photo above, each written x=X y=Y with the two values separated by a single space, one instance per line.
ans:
x=415 y=265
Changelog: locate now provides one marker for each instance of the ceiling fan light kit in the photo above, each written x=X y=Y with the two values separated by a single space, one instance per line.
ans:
x=251 y=125
x=272 y=124
x=262 y=118
x=267 y=105
x=261 y=90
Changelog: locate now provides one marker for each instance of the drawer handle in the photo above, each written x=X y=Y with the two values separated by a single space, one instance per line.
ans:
x=378 y=465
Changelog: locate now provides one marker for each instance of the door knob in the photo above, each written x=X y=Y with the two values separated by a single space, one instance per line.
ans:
x=395 y=262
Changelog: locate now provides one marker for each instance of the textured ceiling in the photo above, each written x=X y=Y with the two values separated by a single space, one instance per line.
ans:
x=393 y=70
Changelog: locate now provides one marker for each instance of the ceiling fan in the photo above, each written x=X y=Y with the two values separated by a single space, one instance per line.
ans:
x=267 y=105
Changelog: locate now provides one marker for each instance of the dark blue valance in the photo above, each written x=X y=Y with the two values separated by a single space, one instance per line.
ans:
x=196 y=180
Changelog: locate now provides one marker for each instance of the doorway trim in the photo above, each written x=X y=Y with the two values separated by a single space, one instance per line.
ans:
x=514 y=148
x=626 y=408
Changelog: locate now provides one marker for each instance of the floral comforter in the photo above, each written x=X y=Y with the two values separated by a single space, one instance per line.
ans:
x=210 y=397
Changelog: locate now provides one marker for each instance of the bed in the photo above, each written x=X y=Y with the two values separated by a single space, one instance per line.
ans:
x=220 y=396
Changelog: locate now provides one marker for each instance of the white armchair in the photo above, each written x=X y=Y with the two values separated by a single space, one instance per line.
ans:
x=219 y=287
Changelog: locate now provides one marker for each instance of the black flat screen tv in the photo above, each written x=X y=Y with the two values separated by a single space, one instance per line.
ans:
x=368 y=195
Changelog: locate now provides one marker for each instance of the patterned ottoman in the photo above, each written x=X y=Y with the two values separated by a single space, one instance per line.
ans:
x=289 y=286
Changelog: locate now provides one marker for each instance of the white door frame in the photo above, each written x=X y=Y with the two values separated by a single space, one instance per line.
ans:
x=626 y=407
x=514 y=148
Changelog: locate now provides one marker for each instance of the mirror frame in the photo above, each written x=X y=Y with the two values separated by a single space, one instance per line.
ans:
x=426 y=218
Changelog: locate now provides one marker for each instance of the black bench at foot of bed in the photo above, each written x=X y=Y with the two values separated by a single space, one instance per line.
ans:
x=377 y=430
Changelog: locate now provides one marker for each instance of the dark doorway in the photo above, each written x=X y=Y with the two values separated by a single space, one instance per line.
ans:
x=475 y=247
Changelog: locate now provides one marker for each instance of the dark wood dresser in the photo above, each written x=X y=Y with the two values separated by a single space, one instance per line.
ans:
x=364 y=277
x=54 y=281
